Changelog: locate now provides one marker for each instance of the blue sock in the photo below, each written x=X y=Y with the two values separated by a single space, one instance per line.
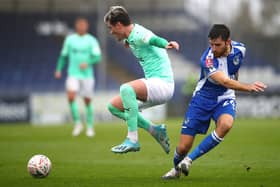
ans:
x=206 y=145
x=177 y=158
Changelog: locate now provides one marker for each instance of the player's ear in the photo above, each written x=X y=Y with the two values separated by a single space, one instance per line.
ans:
x=228 y=41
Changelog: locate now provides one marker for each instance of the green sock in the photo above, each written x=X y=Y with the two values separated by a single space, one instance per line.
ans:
x=142 y=122
x=116 y=112
x=75 y=111
x=130 y=104
x=89 y=117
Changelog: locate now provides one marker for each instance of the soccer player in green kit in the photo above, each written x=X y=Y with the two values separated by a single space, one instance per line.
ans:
x=83 y=51
x=156 y=88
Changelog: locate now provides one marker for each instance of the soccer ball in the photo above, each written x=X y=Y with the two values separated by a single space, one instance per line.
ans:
x=39 y=166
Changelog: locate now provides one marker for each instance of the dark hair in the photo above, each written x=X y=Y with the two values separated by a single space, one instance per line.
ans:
x=219 y=30
x=117 y=14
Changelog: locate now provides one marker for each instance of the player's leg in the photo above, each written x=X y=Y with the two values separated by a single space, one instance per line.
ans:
x=129 y=93
x=157 y=131
x=161 y=92
x=117 y=110
x=72 y=86
x=89 y=117
x=158 y=92
x=87 y=87
x=224 y=116
x=185 y=144
x=196 y=121
x=115 y=106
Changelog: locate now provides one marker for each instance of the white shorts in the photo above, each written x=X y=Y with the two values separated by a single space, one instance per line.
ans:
x=159 y=92
x=85 y=87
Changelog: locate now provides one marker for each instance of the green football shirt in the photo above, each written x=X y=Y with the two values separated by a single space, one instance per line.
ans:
x=154 y=60
x=81 y=49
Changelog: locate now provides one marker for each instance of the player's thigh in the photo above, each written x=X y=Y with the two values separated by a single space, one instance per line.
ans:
x=140 y=89
x=87 y=88
x=197 y=118
x=225 y=107
x=224 y=116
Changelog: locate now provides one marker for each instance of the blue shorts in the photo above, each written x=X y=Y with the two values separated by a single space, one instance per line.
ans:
x=200 y=112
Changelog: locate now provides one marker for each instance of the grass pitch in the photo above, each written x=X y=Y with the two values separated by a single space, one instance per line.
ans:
x=249 y=156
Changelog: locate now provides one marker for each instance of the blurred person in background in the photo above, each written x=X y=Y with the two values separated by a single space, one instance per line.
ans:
x=213 y=98
x=156 y=88
x=82 y=51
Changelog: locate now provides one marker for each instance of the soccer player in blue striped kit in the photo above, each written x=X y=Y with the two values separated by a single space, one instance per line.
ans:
x=213 y=98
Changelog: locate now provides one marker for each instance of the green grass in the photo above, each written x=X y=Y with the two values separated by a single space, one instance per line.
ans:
x=249 y=156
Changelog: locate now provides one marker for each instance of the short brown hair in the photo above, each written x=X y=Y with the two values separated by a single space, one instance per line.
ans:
x=117 y=14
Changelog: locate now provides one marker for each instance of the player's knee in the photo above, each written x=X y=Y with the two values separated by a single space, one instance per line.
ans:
x=126 y=90
x=71 y=99
x=225 y=126
x=71 y=96
x=111 y=108
x=181 y=149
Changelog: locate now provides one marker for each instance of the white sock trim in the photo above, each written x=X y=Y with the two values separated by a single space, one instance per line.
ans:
x=216 y=137
x=133 y=136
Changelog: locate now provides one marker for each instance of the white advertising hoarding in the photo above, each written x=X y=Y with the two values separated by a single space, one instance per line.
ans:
x=53 y=108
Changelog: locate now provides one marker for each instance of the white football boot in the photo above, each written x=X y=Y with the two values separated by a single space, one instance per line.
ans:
x=172 y=174
x=185 y=165
x=90 y=132
x=78 y=128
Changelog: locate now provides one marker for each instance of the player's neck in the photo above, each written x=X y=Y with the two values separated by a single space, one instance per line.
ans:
x=81 y=33
x=129 y=29
x=227 y=51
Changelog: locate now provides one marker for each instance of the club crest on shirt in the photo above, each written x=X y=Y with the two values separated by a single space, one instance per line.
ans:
x=236 y=60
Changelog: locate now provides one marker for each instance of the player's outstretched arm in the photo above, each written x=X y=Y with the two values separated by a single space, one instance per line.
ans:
x=60 y=64
x=224 y=80
x=163 y=43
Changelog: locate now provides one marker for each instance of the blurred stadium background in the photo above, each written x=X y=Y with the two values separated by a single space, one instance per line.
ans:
x=32 y=32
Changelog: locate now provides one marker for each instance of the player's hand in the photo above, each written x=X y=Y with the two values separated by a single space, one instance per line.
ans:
x=258 y=87
x=173 y=44
x=83 y=66
x=57 y=75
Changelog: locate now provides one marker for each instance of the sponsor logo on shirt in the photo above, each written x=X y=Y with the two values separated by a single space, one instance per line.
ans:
x=209 y=62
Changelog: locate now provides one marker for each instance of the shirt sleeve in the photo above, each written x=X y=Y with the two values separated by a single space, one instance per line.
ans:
x=65 y=48
x=96 y=48
x=63 y=55
x=158 y=42
x=147 y=37
x=96 y=53
x=209 y=64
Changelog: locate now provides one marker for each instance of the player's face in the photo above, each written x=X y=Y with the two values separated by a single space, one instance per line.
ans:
x=117 y=31
x=219 y=47
x=81 y=26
